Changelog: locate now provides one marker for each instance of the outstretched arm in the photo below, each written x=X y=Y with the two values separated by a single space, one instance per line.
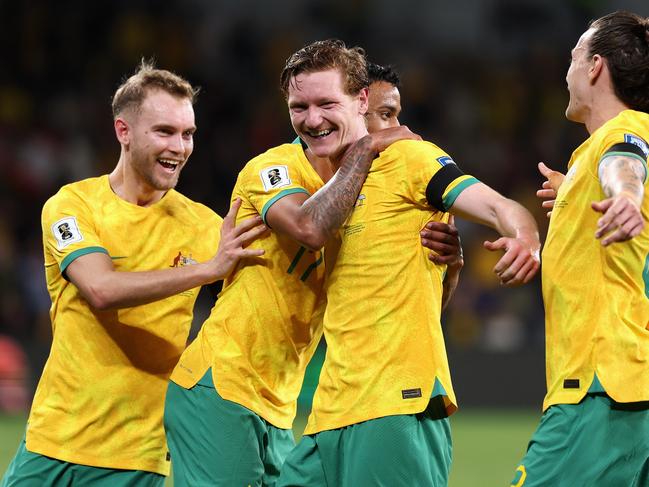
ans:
x=444 y=240
x=622 y=180
x=520 y=235
x=105 y=288
x=312 y=220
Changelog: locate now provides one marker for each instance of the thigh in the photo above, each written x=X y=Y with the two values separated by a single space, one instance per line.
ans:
x=29 y=469
x=84 y=475
x=280 y=443
x=402 y=450
x=212 y=441
x=303 y=466
x=596 y=442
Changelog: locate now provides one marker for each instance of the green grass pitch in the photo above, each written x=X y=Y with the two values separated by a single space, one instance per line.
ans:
x=487 y=444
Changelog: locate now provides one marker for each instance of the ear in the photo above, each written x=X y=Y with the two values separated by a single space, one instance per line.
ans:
x=363 y=97
x=597 y=66
x=122 y=131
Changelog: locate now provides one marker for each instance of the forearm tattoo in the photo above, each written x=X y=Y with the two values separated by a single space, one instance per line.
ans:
x=622 y=174
x=330 y=205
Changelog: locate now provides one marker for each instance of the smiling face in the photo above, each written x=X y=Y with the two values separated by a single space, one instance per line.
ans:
x=160 y=138
x=578 y=80
x=325 y=117
x=384 y=106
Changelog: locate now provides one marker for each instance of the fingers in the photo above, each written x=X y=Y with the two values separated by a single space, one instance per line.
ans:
x=544 y=170
x=245 y=238
x=247 y=224
x=231 y=216
x=546 y=194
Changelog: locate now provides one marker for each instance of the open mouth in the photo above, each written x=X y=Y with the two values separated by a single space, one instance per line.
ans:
x=319 y=134
x=169 y=164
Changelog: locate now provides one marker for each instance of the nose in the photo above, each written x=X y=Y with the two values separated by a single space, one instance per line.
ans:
x=313 y=117
x=177 y=144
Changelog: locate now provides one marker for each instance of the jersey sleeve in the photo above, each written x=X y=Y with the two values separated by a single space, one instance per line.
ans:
x=69 y=229
x=624 y=143
x=266 y=181
x=433 y=176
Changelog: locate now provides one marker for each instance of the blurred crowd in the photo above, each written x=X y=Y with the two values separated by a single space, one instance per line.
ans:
x=482 y=79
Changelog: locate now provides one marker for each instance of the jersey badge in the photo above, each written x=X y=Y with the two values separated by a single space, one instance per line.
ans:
x=66 y=232
x=180 y=260
x=445 y=160
x=274 y=177
x=632 y=139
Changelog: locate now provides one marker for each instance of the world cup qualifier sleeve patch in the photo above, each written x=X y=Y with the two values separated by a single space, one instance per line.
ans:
x=66 y=232
x=274 y=177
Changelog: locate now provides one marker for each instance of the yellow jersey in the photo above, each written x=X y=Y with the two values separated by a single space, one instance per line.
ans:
x=100 y=399
x=596 y=298
x=386 y=353
x=265 y=325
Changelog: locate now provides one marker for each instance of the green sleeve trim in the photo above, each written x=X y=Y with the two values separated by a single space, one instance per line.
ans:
x=78 y=253
x=279 y=196
x=625 y=154
x=645 y=277
x=452 y=195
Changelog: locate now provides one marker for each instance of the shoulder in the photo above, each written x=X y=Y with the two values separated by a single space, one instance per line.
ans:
x=192 y=210
x=76 y=194
x=417 y=151
x=285 y=154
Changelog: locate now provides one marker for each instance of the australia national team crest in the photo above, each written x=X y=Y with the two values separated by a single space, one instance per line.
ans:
x=66 y=232
x=274 y=177
x=181 y=260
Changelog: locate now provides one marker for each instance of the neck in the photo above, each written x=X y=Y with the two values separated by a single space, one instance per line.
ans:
x=604 y=106
x=129 y=185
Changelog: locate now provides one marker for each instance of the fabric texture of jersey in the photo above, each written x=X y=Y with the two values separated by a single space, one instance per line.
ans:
x=99 y=401
x=267 y=321
x=382 y=321
x=596 y=298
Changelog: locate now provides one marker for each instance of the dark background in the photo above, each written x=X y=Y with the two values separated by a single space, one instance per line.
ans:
x=485 y=80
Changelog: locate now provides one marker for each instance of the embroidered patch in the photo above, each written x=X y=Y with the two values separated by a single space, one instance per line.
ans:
x=411 y=393
x=274 y=177
x=445 y=160
x=66 y=232
x=632 y=139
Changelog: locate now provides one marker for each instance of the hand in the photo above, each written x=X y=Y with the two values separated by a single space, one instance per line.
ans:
x=444 y=240
x=520 y=262
x=622 y=218
x=234 y=240
x=382 y=139
x=550 y=187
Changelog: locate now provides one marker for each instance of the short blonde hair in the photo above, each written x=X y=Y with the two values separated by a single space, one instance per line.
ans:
x=132 y=92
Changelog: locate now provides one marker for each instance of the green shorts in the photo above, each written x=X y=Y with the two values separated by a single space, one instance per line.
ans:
x=393 y=451
x=29 y=469
x=218 y=442
x=597 y=442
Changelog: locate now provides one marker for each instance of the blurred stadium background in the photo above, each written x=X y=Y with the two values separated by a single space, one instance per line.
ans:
x=482 y=78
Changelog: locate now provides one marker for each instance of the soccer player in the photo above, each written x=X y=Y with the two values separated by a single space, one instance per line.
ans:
x=595 y=426
x=384 y=108
x=232 y=398
x=379 y=412
x=122 y=255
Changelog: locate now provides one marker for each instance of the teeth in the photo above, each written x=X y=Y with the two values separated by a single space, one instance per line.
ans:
x=320 y=133
x=170 y=161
